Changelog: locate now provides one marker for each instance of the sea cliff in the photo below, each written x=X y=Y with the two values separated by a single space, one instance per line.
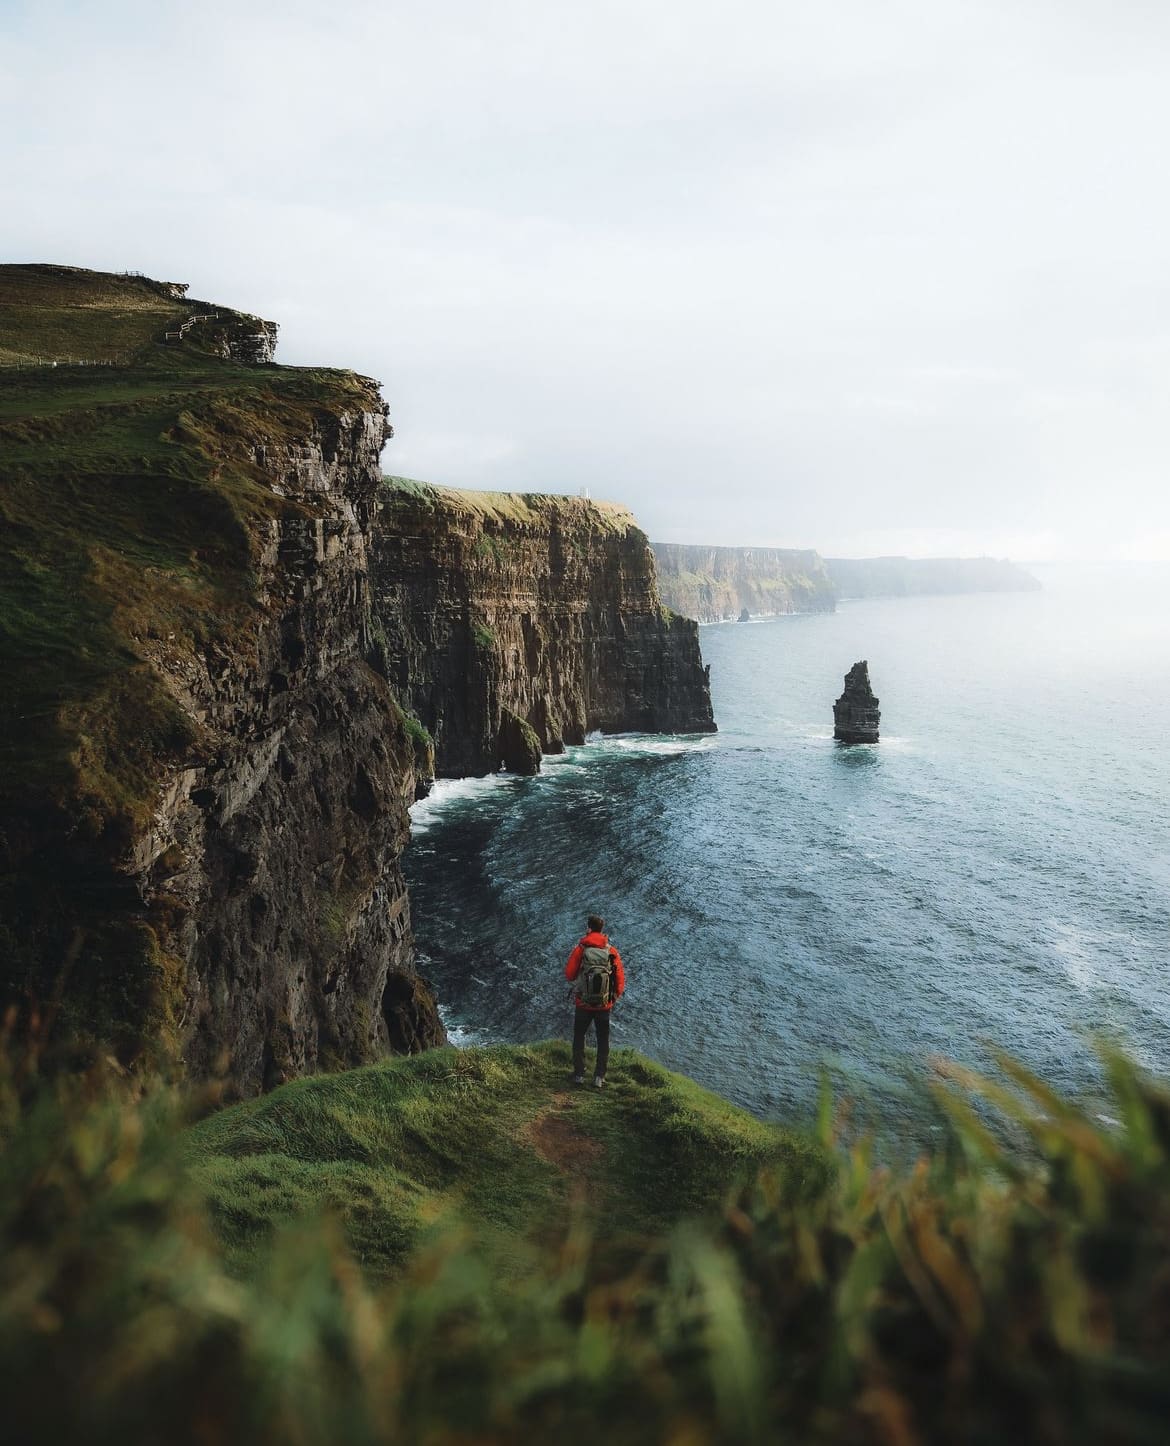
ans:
x=512 y=625
x=217 y=622
x=721 y=584
x=714 y=584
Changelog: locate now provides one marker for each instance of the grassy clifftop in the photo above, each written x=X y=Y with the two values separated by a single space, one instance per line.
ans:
x=143 y=478
x=136 y=496
x=531 y=509
x=63 y=314
x=497 y=1138
x=455 y=1248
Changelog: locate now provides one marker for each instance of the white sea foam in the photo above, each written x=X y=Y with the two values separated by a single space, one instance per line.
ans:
x=461 y=1035
x=449 y=792
x=654 y=744
x=1079 y=953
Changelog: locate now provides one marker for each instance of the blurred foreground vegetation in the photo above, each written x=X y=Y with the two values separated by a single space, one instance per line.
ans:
x=457 y=1248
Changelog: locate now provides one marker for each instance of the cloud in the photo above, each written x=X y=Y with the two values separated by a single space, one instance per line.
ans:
x=767 y=272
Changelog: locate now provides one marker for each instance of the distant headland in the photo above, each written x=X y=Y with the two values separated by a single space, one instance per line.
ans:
x=720 y=584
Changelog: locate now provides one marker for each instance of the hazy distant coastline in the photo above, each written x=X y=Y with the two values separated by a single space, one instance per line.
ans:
x=714 y=584
x=916 y=576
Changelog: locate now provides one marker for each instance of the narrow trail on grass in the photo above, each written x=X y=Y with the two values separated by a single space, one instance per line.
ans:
x=556 y=1138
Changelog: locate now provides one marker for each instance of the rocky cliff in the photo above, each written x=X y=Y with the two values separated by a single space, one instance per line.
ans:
x=206 y=758
x=714 y=584
x=911 y=576
x=512 y=625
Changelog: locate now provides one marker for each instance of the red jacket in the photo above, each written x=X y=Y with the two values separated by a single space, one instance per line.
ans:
x=573 y=968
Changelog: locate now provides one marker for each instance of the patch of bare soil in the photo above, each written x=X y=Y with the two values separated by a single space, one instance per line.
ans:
x=554 y=1136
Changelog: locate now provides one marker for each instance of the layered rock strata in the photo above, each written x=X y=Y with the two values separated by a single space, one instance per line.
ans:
x=253 y=920
x=856 y=715
x=512 y=625
x=297 y=938
x=717 y=584
x=211 y=724
x=204 y=794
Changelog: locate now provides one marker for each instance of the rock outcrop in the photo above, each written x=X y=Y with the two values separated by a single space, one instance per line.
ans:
x=204 y=797
x=717 y=584
x=297 y=935
x=250 y=339
x=511 y=625
x=855 y=713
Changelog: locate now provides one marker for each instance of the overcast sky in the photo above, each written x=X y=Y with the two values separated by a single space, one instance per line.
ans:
x=865 y=275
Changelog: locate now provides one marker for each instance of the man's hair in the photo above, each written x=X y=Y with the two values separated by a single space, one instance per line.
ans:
x=596 y=923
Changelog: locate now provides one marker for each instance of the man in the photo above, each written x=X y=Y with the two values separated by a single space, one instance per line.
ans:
x=595 y=966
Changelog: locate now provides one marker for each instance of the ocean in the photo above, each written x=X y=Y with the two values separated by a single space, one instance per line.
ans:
x=994 y=874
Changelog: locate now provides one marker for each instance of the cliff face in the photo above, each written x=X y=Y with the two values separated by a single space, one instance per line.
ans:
x=911 y=576
x=714 y=584
x=203 y=802
x=207 y=764
x=282 y=852
x=497 y=611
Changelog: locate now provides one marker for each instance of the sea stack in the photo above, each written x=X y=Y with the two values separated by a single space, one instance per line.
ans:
x=855 y=713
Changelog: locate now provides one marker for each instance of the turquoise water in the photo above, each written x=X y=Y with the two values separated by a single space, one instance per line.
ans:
x=996 y=872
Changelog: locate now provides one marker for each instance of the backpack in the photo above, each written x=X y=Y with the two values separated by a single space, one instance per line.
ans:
x=595 y=978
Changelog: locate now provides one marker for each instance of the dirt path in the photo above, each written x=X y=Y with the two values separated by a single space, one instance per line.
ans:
x=555 y=1138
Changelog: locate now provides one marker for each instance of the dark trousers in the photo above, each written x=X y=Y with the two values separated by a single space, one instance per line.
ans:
x=599 y=1018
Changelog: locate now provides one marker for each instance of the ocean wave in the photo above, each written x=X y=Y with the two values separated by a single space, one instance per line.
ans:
x=448 y=793
x=650 y=745
x=462 y=1036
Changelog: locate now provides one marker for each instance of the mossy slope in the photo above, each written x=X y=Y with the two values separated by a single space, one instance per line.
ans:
x=992 y=1292
x=497 y=1138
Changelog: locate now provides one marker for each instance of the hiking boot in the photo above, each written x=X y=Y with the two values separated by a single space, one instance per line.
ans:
x=579 y=1079
x=598 y=1082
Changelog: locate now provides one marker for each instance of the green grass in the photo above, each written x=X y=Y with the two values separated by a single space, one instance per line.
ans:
x=502 y=510
x=417 y=731
x=411 y=1252
x=62 y=313
x=476 y=1135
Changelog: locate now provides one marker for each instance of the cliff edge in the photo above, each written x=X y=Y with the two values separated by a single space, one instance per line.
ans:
x=206 y=758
